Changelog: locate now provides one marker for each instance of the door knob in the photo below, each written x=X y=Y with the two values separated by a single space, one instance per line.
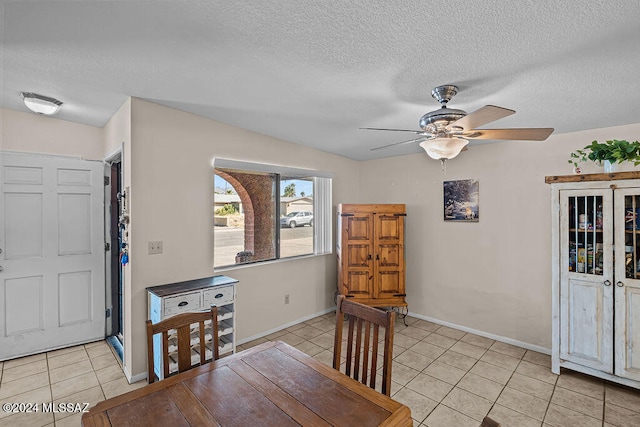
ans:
x=607 y=282
x=619 y=284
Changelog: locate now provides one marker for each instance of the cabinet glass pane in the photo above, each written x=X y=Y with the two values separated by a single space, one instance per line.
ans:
x=585 y=234
x=632 y=236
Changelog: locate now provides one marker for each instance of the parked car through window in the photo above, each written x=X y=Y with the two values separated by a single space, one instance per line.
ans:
x=295 y=219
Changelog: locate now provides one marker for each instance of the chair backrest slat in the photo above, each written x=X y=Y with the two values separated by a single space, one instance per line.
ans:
x=365 y=353
x=362 y=342
x=165 y=350
x=181 y=324
x=358 y=339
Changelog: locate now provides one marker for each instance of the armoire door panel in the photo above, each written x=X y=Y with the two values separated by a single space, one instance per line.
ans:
x=390 y=256
x=388 y=227
x=358 y=283
x=389 y=284
x=358 y=228
x=358 y=255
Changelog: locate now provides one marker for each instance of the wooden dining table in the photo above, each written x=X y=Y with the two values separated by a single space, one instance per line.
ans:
x=271 y=384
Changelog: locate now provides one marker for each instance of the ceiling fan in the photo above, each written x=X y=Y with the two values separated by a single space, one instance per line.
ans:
x=446 y=131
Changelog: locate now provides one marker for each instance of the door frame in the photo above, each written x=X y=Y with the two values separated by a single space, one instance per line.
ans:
x=114 y=156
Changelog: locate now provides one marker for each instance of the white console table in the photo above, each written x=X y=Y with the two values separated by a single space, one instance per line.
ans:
x=195 y=295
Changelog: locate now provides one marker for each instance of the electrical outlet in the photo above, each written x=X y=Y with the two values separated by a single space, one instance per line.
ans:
x=155 y=247
x=286 y=298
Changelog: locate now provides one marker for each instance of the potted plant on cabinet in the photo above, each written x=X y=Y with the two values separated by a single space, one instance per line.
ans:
x=609 y=153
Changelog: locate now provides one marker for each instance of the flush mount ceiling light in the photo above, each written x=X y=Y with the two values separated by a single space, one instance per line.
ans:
x=41 y=104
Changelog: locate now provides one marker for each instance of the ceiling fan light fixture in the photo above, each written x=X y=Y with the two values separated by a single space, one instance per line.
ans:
x=41 y=104
x=443 y=148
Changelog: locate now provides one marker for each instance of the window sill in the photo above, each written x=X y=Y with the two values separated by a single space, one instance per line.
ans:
x=273 y=261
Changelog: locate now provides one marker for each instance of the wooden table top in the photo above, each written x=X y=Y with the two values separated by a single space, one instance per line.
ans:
x=272 y=384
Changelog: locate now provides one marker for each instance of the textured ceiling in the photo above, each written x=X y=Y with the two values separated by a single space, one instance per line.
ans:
x=312 y=72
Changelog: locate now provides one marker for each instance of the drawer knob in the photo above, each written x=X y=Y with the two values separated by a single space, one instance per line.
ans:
x=219 y=295
x=183 y=303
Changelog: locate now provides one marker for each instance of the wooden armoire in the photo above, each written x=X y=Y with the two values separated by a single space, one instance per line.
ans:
x=370 y=249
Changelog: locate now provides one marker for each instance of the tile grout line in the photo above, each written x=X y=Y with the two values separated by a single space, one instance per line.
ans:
x=455 y=385
x=546 y=410
x=468 y=370
x=50 y=383
x=520 y=360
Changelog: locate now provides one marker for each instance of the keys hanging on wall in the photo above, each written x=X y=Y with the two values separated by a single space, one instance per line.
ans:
x=124 y=254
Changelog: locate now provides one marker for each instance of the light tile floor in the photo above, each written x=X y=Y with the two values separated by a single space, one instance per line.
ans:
x=450 y=378
x=447 y=377
x=85 y=373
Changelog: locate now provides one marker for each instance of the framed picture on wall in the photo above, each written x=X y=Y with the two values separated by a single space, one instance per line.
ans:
x=461 y=200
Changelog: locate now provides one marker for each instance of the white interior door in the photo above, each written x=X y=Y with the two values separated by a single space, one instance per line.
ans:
x=52 y=287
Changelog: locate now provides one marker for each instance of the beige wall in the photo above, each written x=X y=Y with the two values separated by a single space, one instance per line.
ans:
x=117 y=131
x=495 y=275
x=492 y=276
x=34 y=133
x=172 y=199
x=117 y=136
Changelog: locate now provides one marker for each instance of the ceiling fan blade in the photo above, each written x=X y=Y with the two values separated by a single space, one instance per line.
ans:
x=484 y=115
x=524 y=134
x=401 y=142
x=417 y=132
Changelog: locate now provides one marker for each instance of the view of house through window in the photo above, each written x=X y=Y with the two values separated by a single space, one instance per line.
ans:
x=261 y=216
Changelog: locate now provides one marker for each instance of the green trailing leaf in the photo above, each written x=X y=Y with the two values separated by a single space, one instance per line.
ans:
x=614 y=150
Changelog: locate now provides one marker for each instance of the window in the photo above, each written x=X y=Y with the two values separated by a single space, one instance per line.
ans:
x=266 y=212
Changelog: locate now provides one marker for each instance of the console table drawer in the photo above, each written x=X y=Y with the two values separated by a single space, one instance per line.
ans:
x=218 y=296
x=181 y=304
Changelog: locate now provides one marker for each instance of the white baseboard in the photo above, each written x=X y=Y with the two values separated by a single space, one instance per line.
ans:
x=484 y=334
x=500 y=338
x=133 y=378
x=285 y=326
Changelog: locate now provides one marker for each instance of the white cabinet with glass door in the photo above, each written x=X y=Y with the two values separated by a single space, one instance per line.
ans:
x=596 y=275
x=627 y=284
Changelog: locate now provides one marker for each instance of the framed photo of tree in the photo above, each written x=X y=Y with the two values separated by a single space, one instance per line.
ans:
x=461 y=200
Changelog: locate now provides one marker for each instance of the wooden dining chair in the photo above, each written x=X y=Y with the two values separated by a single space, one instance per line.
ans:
x=362 y=342
x=185 y=338
x=488 y=422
